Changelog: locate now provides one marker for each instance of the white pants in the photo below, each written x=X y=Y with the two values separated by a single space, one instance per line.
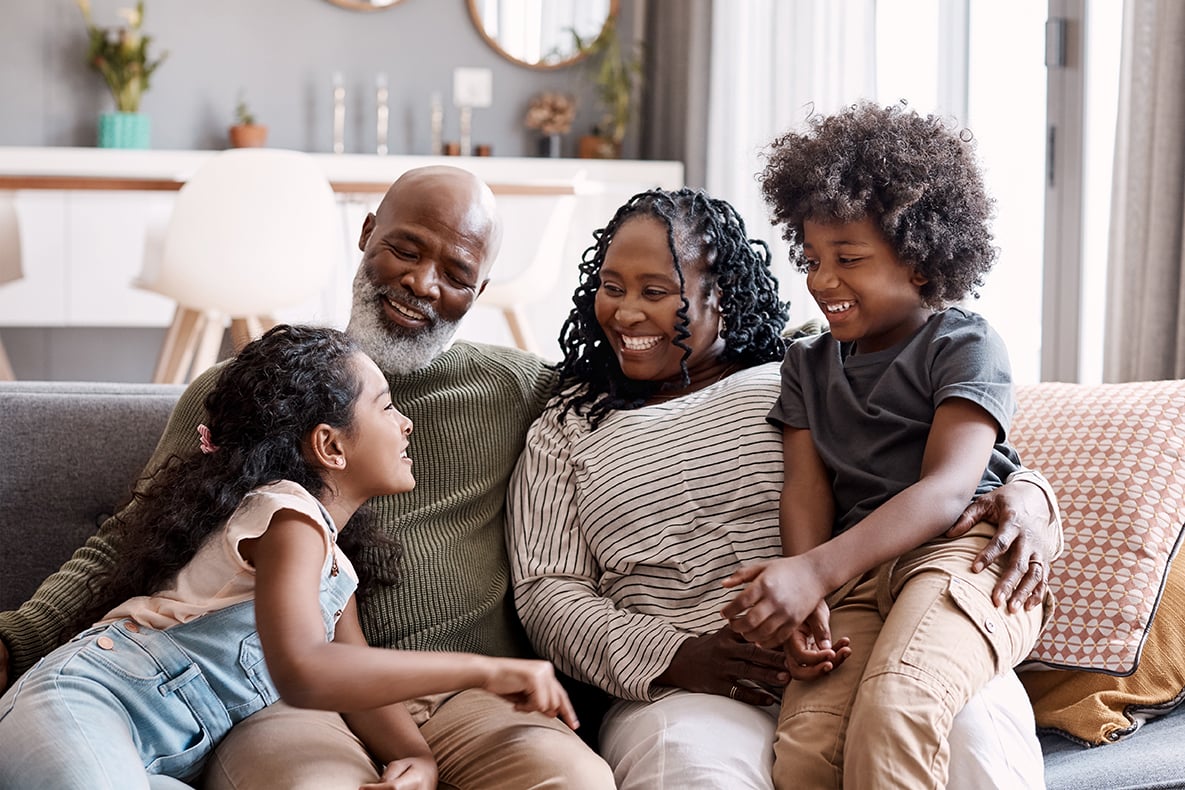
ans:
x=708 y=742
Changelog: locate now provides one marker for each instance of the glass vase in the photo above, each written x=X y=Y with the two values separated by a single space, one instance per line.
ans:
x=551 y=145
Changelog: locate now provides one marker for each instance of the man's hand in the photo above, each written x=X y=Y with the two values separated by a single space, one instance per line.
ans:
x=1024 y=541
x=723 y=663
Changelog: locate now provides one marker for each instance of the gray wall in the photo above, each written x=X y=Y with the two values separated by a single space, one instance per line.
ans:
x=283 y=54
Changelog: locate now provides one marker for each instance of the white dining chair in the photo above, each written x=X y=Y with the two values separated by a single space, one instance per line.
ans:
x=253 y=231
x=534 y=281
x=10 y=262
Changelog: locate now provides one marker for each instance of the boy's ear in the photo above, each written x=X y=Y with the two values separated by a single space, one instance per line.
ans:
x=327 y=447
x=918 y=279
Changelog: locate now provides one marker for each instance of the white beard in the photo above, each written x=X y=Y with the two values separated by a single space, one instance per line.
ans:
x=394 y=348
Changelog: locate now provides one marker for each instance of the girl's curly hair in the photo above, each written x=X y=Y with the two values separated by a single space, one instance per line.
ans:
x=698 y=227
x=915 y=176
x=266 y=402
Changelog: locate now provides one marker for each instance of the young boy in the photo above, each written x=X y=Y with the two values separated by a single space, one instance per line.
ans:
x=892 y=422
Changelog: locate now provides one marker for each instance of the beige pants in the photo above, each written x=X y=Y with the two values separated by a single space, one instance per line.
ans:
x=925 y=638
x=479 y=740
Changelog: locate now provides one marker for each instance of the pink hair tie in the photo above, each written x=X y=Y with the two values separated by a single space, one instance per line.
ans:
x=205 y=443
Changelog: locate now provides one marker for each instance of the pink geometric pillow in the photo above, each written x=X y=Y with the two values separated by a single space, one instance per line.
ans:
x=1115 y=456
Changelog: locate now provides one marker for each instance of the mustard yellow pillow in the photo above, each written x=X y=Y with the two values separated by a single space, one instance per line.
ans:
x=1096 y=708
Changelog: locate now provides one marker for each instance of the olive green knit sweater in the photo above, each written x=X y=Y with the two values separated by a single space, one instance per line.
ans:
x=471 y=409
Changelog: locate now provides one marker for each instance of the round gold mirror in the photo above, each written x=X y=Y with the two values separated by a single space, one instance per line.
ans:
x=366 y=5
x=541 y=35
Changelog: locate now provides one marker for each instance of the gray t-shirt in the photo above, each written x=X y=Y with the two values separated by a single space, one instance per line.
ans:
x=870 y=414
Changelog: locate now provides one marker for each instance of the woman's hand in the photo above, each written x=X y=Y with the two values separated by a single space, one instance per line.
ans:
x=780 y=595
x=723 y=663
x=531 y=685
x=412 y=773
x=1024 y=541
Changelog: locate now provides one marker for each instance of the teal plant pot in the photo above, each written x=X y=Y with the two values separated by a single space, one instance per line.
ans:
x=124 y=130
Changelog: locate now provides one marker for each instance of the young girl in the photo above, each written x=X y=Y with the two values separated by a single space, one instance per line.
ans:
x=238 y=593
x=892 y=422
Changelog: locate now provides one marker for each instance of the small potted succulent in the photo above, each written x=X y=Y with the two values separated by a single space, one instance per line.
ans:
x=245 y=132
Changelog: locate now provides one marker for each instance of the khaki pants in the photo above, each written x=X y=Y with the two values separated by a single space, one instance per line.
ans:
x=925 y=638
x=479 y=740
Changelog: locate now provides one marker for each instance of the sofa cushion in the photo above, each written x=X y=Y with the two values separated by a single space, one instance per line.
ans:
x=72 y=452
x=1115 y=455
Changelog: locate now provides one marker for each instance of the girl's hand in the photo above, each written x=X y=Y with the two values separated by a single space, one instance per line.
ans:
x=412 y=773
x=531 y=685
x=780 y=596
x=810 y=652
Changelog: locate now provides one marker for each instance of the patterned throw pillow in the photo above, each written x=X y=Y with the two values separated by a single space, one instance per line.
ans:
x=1115 y=456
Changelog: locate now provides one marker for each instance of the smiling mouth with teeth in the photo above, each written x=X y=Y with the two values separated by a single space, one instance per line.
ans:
x=838 y=307
x=640 y=343
x=414 y=315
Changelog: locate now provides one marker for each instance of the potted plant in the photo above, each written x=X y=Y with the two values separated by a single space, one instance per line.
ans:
x=120 y=55
x=617 y=75
x=245 y=132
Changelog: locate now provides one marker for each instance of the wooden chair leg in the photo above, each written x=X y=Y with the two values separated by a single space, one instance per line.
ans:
x=240 y=333
x=6 y=373
x=209 y=344
x=247 y=328
x=177 y=352
x=516 y=318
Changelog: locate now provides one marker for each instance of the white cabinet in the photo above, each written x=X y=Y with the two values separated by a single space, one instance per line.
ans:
x=81 y=253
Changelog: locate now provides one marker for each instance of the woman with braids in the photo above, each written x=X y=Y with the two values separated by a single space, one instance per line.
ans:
x=653 y=475
x=237 y=593
x=891 y=423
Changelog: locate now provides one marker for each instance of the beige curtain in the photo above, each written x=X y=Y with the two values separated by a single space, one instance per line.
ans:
x=675 y=88
x=1146 y=261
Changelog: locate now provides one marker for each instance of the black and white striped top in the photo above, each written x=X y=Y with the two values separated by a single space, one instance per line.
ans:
x=619 y=537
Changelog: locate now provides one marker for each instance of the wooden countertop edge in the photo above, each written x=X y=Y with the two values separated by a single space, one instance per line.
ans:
x=120 y=184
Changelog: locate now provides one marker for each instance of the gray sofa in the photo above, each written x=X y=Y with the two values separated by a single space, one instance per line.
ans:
x=70 y=452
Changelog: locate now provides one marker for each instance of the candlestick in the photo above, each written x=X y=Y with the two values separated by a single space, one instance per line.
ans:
x=437 y=125
x=382 y=111
x=339 y=114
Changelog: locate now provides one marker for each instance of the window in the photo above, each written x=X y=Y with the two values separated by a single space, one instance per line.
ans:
x=983 y=62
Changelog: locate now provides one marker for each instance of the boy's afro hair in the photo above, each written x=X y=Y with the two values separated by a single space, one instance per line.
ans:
x=915 y=176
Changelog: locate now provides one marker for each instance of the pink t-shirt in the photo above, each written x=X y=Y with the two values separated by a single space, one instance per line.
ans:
x=218 y=576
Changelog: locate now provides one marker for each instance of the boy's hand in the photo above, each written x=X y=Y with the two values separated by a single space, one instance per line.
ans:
x=532 y=685
x=412 y=773
x=810 y=652
x=781 y=594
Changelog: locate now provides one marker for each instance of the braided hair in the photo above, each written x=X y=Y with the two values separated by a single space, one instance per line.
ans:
x=591 y=382
x=266 y=402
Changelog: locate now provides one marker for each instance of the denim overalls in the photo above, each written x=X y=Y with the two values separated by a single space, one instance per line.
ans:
x=122 y=701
